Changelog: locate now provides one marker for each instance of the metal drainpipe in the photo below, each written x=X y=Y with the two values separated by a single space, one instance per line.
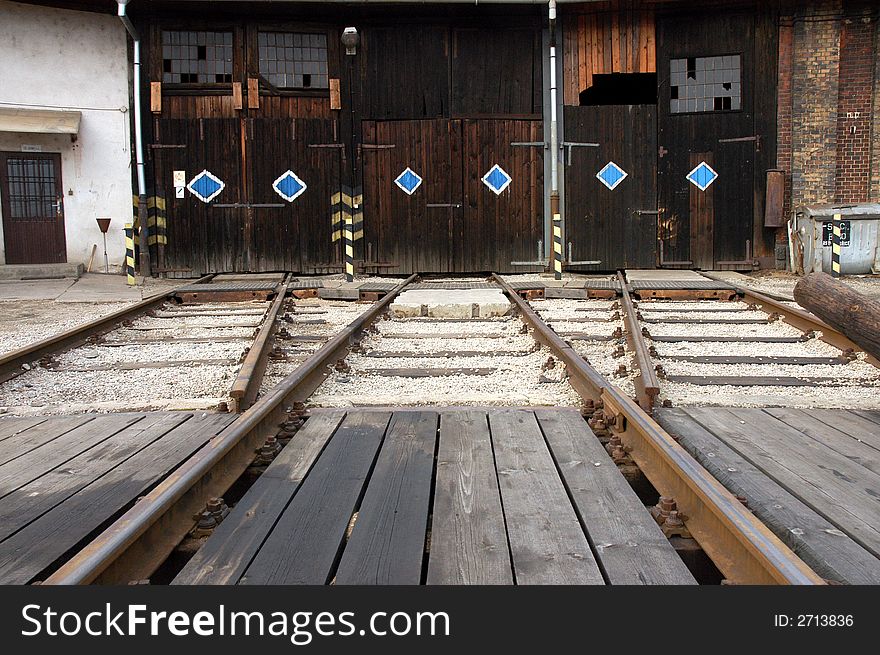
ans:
x=138 y=139
x=554 y=152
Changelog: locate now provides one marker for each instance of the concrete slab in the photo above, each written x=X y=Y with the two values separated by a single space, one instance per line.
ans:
x=451 y=303
x=663 y=275
x=39 y=271
x=94 y=287
x=34 y=289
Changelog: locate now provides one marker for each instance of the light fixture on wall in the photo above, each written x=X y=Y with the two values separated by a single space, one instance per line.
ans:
x=350 y=39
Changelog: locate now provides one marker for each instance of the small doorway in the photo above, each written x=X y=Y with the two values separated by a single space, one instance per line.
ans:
x=32 y=203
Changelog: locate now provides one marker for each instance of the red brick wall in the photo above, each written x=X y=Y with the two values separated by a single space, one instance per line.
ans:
x=854 y=115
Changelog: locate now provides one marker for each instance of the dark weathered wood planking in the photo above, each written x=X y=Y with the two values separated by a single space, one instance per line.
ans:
x=547 y=543
x=603 y=224
x=701 y=213
x=24 y=441
x=840 y=490
x=630 y=546
x=39 y=496
x=37 y=546
x=33 y=464
x=305 y=543
x=468 y=535
x=387 y=544
x=826 y=549
x=871 y=415
x=227 y=553
x=853 y=422
x=11 y=426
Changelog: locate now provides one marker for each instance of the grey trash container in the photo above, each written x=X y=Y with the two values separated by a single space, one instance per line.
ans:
x=860 y=226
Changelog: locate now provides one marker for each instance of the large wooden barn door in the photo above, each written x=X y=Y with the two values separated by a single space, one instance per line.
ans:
x=295 y=166
x=206 y=237
x=615 y=221
x=708 y=80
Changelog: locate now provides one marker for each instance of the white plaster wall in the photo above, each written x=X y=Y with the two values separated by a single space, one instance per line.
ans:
x=61 y=59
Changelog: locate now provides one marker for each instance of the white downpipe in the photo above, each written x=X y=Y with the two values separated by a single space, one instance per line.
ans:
x=138 y=132
x=554 y=139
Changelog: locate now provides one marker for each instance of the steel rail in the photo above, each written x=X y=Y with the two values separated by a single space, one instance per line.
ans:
x=798 y=318
x=247 y=383
x=137 y=543
x=11 y=363
x=743 y=548
x=647 y=385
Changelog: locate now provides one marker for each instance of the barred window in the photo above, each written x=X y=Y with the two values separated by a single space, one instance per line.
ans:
x=196 y=57
x=293 y=60
x=701 y=84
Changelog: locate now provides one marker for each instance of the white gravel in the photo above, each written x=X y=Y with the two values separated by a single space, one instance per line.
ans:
x=25 y=322
x=809 y=348
x=148 y=352
x=859 y=396
x=775 y=329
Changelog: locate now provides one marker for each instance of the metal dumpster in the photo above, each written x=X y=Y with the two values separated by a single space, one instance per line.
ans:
x=859 y=238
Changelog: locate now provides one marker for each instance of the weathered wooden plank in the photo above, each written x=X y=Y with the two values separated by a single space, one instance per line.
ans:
x=851 y=422
x=304 y=544
x=12 y=425
x=32 y=500
x=827 y=550
x=629 y=544
x=34 y=463
x=841 y=491
x=837 y=440
x=444 y=354
x=584 y=336
x=751 y=380
x=708 y=321
x=136 y=366
x=870 y=415
x=754 y=359
x=704 y=339
x=547 y=543
x=42 y=433
x=468 y=537
x=27 y=553
x=387 y=544
x=441 y=335
x=426 y=372
x=227 y=553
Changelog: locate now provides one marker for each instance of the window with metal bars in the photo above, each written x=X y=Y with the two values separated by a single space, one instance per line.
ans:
x=293 y=60
x=196 y=57
x=31 y=189
x=705 y=84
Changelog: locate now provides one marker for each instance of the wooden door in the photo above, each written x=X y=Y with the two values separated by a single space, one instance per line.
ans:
x=615 y=226
x=205 y=237
x=293 y=232
x=32 y=202
x=707 y=76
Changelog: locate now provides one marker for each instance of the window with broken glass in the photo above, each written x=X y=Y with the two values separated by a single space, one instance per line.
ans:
x=196 y=57
x=293 y=60
x=705 y=84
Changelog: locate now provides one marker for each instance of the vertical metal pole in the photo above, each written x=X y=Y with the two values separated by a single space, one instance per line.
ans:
x=554 y=152
x=349 y=247
x=835 y=247
x=129 y=254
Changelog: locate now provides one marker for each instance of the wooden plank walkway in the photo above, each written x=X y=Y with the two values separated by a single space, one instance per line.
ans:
x=63 y=478
x=813 y=476
x=439 y=496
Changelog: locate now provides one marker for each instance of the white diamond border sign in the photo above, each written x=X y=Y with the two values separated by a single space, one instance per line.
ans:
x=288 y=172
x=694 y=181
x=618 y=181
x=403 y=188
x=499 y=191
x=221 y=183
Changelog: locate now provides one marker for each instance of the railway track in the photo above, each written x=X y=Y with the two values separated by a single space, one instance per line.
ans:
x=368 y=353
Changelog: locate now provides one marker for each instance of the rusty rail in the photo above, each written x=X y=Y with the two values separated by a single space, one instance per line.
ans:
x=11 y=363
x=137 y=543
x=250 y=376
x=798 y=318
x=647 y=384
x=742 y=547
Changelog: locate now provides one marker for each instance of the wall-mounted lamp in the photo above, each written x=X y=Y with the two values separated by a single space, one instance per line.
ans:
x=350 y=39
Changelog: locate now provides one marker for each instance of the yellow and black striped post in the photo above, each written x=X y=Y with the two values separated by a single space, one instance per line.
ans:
x=835 y=246
x=557 y=246
x=129 y=253
x=349 y=248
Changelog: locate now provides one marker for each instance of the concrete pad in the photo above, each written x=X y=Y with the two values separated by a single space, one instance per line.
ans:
x=664 y=275
x=94 y=287
x=39 y=271
x=452 y=303
x=34 y=289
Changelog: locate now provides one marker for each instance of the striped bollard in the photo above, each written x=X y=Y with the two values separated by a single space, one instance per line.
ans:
x=557 y=246
x=129 y=254
x=349 y=248
x=835 y=247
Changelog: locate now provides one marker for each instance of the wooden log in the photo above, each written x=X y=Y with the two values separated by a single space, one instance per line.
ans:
x=847 y=311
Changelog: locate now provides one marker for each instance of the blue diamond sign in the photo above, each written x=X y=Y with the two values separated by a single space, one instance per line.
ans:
x=289 y=186
x=206 y=186
x=702 y=176
x=497 y=179
x=611 y=175
x=409 y=181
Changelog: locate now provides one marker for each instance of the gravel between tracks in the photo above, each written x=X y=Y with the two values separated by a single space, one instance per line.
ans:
x=25 y=322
